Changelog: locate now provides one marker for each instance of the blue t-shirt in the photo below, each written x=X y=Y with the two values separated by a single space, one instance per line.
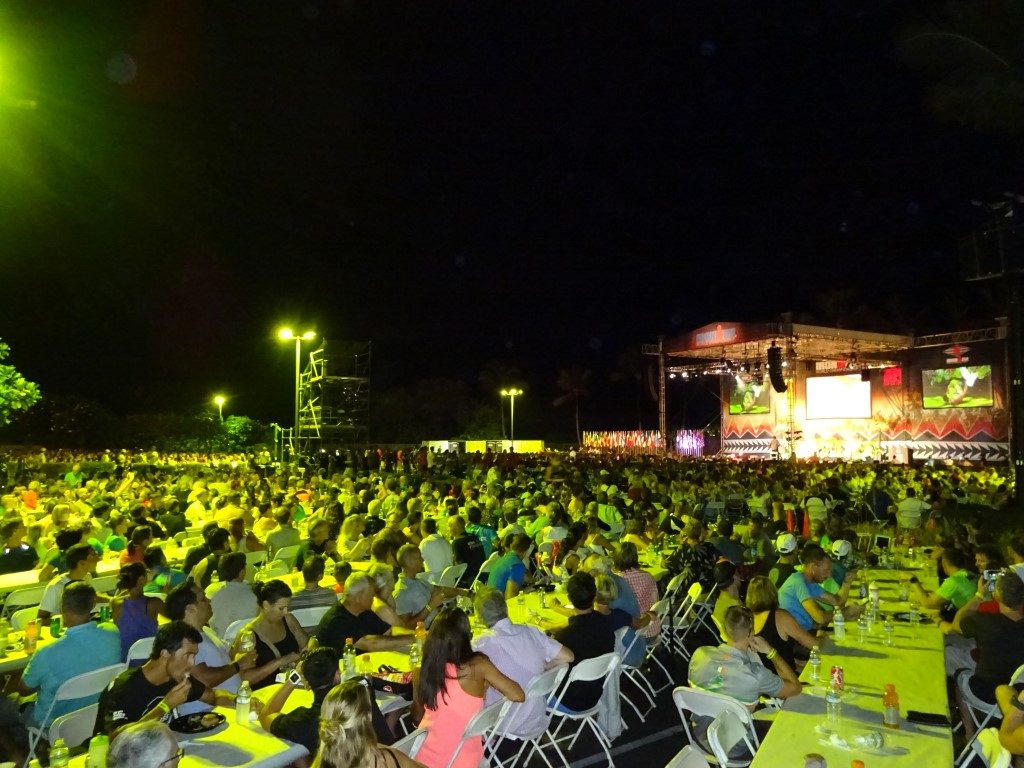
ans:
x=794 y=591
x=485 y=534
x=626 y=599
x=509 y=566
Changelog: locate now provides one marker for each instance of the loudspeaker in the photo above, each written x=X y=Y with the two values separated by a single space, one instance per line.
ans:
x=775 y=368
x=865 y=374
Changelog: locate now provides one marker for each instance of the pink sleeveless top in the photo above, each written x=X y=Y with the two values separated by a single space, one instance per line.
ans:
x=445 y=726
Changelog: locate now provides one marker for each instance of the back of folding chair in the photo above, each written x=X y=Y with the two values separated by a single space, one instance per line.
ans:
x=724 y=734
x=410 y=745
x=480 y=726
x=688 y=757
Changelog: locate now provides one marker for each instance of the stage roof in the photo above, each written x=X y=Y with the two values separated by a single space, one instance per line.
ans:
x=741 y=342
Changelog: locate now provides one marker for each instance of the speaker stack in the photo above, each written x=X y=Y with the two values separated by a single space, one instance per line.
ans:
x=775 y=368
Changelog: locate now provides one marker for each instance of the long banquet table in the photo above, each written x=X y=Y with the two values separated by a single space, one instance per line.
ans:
x=915 y=665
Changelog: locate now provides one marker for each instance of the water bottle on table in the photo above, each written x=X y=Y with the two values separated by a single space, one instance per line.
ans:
x=890 y=633
x=833 y=706
x=242 y=701
x=862 y=629
x=59 y=754
x=815 y=663
x=839 y=624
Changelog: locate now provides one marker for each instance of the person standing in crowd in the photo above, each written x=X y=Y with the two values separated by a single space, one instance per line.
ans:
x=450 y=686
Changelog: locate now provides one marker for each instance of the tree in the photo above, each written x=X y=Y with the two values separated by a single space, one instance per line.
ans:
x=574 y=384
x=971 y=54
x=17 y=394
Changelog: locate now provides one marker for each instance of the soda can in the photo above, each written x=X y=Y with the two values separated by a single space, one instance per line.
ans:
x=105 y=612
x=55 y=626
x=837 y=678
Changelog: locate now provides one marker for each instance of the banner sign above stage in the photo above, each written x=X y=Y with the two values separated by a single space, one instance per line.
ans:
x=717 y=336
x=831 y=365
x=957 y=354
x=721 y=335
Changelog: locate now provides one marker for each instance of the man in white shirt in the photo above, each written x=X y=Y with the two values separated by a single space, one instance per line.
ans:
x=519 y=651
x=213 y=666
x=437 y=552
x=81 y=560
x=232 y=599
x=909 y=511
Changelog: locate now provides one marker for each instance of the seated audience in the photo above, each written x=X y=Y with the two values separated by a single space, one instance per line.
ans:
x=84 y=647
x=279 y=638
x=588 y=635
x=776 y=626
x=232 y=598
x=134 y=613
x=437 y=552
x=450 y=686
x=354 y=618
x=150 y=744
x=81 y=561
x=312 y=595
x=508 y=573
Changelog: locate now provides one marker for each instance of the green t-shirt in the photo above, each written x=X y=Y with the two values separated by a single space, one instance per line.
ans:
x=958 y=589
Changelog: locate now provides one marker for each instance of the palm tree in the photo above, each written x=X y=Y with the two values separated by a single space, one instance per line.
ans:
x=630 y=366
x=573 y=383
x=971 y=54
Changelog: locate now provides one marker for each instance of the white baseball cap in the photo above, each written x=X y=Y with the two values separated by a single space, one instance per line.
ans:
x=786 y=543
x=841 y=548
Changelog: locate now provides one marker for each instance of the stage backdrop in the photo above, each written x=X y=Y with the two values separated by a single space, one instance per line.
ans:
x=936 y=405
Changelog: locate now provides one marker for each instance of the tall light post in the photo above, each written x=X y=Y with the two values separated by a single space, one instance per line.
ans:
x=286 y=334
x=219 y=401
x=512 y=394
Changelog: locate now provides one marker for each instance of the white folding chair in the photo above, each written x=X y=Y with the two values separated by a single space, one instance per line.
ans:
x=640 y=683
x=981 y=713
x=410 y=745
x=688 y=757
x=104 y=584
x=988 y=748
x=690 y=615
x=23 y=598
x=485 y=569
x=674 y=584
x=480 y=726
x=192 y=541
x=310 y=617
x=256 y=559
x=287 y=555
x=274 y=569
x=599 y=668
x=233 y=629
x=696 y=701
x=724 y=734
x=75 y=727
x=540 y=689
x=21 y=617
x=450 y=576
x=78 y=687
x=140 y=650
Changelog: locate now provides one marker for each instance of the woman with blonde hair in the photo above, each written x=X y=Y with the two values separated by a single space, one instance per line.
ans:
x=777 y=626
x=347 y=739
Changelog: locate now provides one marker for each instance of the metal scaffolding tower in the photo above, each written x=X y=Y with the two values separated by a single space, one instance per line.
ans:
x=334 y=395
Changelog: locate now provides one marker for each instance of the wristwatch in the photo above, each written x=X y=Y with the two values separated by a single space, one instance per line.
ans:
x=1015 y=701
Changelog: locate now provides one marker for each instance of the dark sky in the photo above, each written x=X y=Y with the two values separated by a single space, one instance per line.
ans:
x=543 y=183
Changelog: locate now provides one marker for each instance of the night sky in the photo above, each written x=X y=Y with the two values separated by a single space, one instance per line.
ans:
x=537 y=183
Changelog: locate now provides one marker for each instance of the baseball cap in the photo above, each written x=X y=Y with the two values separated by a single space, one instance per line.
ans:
x=786 y=543
x=841 y=548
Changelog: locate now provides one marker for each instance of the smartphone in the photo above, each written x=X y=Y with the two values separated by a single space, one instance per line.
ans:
x=990 y=575
x=295 y=678
x=927 y=718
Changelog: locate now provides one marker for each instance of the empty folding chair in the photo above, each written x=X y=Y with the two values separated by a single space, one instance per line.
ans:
x=23 y=598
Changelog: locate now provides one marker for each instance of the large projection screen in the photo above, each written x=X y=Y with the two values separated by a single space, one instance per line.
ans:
x=838 y=397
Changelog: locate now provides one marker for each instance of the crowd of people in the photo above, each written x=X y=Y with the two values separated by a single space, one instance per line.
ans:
x=774 y=539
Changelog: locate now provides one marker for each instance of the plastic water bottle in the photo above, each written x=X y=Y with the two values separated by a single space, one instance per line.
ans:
x=833 y=706
x=97 y=757
x=349 y=658
x=890 y=707
x=415 y=657
x=59 y=754
x=839 y=624
x=890 y=633
x=543 y=604
x=873 y=595
x=915 y=612
x=242 y=699
x=815 y=663
x=247 y=642
x=862 y=630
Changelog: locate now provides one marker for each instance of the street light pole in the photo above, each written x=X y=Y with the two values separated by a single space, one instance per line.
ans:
x=286 y=334
x=511 y=394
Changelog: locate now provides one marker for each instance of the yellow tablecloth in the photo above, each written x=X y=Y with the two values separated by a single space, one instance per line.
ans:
x=914 y=665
